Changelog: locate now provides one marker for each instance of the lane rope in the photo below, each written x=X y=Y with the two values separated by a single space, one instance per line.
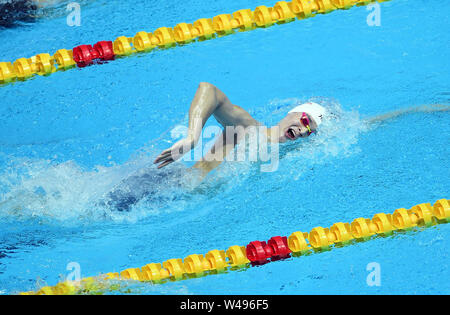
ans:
x=81 y=56
x=256 y=253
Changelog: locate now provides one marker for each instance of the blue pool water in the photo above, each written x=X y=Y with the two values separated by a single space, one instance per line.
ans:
x=67 y=139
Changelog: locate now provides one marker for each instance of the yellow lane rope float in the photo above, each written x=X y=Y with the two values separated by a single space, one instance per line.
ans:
x=258 y=253
x=166 y=37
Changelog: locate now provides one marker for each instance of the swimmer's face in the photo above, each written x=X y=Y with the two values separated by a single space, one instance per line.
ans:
x=291 y=128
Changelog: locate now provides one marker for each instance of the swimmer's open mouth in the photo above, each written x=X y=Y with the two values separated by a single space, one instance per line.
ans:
x=290 y=133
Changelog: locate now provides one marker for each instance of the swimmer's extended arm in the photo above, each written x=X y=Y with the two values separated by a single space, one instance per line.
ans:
x=208 y=101
x=417 y=109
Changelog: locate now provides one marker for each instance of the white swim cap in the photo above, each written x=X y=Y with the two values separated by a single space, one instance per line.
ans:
x=316 y=111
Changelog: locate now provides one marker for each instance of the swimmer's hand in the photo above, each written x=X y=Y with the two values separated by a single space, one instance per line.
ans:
x=175 y=152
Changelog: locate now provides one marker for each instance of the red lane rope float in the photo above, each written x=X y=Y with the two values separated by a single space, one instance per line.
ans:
x=85 y=55
x=261 y=252
x=276 y=248
x=166 y=37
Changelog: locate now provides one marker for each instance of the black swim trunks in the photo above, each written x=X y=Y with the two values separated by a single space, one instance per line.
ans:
x=12 y=11
x=146 y=183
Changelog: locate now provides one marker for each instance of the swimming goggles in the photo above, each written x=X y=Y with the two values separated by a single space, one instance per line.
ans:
x=305 y=121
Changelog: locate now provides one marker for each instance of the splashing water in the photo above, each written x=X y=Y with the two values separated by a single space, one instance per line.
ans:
x=62 y=192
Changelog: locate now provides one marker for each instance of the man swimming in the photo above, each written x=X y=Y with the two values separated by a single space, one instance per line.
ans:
x=300 y=122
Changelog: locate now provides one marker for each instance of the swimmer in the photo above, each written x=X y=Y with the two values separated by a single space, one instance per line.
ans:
x=12 y=11
x=299 y=123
